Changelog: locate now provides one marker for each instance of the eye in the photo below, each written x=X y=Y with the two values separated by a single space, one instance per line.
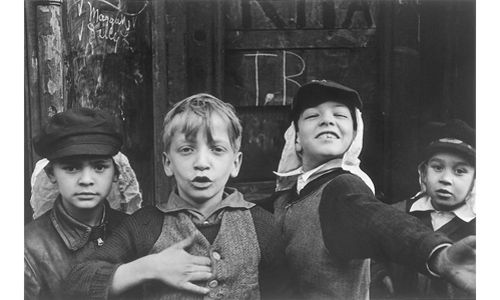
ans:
x=185 y=150
x=101 y=167
x=70 y=168
x=219 y=149
x=310 y=116
x=339 y=115
x=461 y=171
x=436 y=167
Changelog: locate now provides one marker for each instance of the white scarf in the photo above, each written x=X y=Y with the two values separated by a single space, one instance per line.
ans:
x=290 y=165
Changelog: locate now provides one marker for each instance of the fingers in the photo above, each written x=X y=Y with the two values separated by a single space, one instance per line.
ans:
x=200 y=260
x=198 y=268
x=184 y=243
x=198 y=276
x=188 y=286
x=470 y=241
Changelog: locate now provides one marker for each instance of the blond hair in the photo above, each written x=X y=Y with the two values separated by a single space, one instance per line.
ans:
x=194 y=113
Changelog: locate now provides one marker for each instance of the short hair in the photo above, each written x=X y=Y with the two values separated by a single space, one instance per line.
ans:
x=194 y=113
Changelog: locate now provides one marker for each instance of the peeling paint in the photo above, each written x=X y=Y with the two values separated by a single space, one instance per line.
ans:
x=52 y=87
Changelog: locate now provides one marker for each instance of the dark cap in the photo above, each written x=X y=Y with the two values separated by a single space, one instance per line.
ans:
x=80 y=131
x=454 y=136
x=318 y=91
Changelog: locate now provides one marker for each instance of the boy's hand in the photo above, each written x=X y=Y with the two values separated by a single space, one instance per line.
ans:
x=173 y=266
x=457 y=264
x=178 y=269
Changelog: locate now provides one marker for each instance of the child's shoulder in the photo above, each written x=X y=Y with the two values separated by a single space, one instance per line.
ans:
x=348 y=183
x=146 y=214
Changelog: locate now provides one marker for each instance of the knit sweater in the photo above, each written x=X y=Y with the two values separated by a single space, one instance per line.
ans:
x=139 y=233
x=353 y=225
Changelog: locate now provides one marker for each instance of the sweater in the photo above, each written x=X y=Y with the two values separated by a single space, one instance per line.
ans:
x=345 y=223
x=139 y=233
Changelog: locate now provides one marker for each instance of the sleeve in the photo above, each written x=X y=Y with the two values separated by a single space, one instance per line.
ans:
x=273 y=275
x=131 y=240
x=356 y=225
x=32 y=283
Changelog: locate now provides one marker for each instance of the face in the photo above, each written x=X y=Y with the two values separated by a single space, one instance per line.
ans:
x=202 y=168
x=83 y=182
x=324 y=132
x=448 y=179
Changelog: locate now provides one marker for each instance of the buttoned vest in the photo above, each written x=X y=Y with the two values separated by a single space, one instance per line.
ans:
x=235 y=256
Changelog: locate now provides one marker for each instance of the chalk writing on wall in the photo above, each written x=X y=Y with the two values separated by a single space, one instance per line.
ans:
x=271 y=98
x=105 y=25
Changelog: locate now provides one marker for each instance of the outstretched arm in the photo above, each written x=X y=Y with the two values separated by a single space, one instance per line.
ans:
x=356 y=225
x=457 y=264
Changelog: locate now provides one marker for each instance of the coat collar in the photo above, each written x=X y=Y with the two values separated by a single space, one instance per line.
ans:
x=74 y=233
x=232 y=198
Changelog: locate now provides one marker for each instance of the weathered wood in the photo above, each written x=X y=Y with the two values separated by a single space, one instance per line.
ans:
x=110 y=68
x=160 y=91
x=50 y=59
x=311 y=39
x=262 y=141
x=297 y=14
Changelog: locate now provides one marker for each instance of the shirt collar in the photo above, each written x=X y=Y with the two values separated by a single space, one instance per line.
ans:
x=310 y=175
x=231 y=198
x=464 y=212
x=74 y=233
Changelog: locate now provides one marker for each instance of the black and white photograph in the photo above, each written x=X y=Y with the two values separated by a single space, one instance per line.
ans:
x=254 y=149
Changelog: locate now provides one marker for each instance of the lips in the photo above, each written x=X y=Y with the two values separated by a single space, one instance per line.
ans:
x=201 y=182
x=443 y=193
x=328 y=134
x=86 y=195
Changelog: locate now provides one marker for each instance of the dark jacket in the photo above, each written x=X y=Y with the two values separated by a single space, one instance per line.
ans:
x=347 y=223
x=54 y=242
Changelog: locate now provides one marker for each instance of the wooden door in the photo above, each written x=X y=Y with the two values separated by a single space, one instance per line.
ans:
x=268 y=49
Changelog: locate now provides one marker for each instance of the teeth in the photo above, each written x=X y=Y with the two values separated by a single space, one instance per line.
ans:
x=329 y=135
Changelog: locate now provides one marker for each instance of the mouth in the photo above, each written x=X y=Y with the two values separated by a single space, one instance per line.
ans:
x=201 y=182
x=86 y=195
x=328 y=135
x=444 y=194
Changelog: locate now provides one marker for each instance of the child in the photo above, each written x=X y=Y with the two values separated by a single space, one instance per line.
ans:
x=445 y=202
x=330 y=218
x=79 y=145
x=206 y=239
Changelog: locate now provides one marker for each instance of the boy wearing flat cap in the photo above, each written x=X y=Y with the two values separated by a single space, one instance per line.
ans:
x=330 y=218
x=445 y=202
x=79 y=145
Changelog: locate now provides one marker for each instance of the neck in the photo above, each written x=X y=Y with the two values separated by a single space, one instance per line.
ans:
x=91 y=217
x=446 y=208
x=206 y=207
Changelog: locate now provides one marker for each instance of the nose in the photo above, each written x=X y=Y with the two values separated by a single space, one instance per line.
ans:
x=202 y=161
x=327 y=119
x=86 y=177
x=446 y=177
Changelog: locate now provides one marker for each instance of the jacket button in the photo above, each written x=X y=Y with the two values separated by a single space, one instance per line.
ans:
x=213 y=283
x=216 y=255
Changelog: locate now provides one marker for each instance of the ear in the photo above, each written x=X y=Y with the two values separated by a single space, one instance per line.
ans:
x=238 y=159
x=115 y=177
x=167 y=164
x=298 y=146
x=50 y=175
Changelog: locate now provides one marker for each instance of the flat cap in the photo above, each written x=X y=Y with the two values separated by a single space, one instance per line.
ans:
x=455 y=136
x=318 y=91
x=80 y=131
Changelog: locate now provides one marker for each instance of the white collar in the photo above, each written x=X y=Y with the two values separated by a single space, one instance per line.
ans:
x=464 y=212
